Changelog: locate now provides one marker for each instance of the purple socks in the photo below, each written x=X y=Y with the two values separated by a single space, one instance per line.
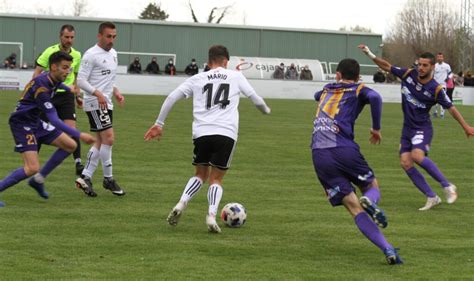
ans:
x=370 y=230
x=420 y=182
x=54 y=161
x=434 y=172
x=13 y=178
x=373 y=194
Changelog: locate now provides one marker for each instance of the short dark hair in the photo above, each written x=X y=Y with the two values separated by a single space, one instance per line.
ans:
x=217 y=53
x=349 y=69
x=430 y=56
x=58 y=57
x=106 y=24
x=440 y=53
x=66 y=26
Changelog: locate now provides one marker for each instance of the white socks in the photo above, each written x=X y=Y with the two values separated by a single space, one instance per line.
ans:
x=92 y=162
x=214 y=196
x=106 y=158
x=192 y=187
x=93 y=156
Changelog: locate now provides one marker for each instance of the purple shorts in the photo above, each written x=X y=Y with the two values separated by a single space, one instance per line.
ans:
x=337 y=168
x=415 y=138
x=27 y=138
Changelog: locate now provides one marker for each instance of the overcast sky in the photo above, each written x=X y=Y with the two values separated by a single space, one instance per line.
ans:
x=378 y=15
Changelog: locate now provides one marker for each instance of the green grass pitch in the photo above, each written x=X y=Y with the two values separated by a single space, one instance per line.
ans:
x=292 y=233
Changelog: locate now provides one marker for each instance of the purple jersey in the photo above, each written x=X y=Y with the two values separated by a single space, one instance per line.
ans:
x=417 y=99
x=339 y=106
x=36 y=97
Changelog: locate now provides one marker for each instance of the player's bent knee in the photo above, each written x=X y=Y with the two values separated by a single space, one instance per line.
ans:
x=31 y=169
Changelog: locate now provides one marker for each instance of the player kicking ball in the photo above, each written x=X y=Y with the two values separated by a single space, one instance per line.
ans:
x=337 y=159
x=29 y=130
x=216 y=96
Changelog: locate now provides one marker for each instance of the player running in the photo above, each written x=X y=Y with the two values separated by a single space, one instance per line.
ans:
x=64 y=101
x=419 y=93
x=97 y=78
x=216 y=96
x=337 y=159
x=29 y=130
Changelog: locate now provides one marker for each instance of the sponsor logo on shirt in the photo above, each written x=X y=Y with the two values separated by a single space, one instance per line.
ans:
x=411 y=99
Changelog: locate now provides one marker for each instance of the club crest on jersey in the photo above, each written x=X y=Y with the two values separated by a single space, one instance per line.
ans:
x=418 y=86
x=48 y=105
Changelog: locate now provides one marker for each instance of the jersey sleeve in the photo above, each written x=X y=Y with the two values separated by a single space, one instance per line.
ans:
x=369 y=96
x=185 y=88
x=43 y=99
x=400 y=72
x=85 y=70
x=317 y=95
x=43 y=59
x=442 y=99
x=244 y=86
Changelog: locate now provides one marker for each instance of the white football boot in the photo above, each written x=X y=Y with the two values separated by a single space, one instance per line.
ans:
x=430 y=203
x=175 y=214
x=212 y=224
x=451 y=194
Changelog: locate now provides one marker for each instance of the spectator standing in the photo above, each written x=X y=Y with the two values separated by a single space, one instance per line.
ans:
x=459 y=79
x=379 y=76
x=192 y=68
x=279 y=72
x=153 y=67
x=306 y=73
x=469 y=79
x=291 y=73
x=450 y=88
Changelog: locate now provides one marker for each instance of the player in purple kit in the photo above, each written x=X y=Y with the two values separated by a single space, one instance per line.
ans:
x=337 y=159
x=419 y=93
x=29 y=130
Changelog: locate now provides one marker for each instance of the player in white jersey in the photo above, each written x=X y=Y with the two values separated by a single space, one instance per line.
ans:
x=216 y=96
x=441 y=74
x=97 y=78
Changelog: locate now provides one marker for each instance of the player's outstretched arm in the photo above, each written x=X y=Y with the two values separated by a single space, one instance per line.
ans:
x=156 y=131
x=457 y=115
x=260 y=104
x=383 y=64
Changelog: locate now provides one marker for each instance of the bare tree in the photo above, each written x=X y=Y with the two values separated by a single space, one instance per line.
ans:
x=423 y=25
x=80 y=7
x=4 y=6
x=356 y=28
x=225 y=10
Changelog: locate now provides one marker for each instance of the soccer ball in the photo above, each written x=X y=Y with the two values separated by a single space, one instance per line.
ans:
x=234 y=215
